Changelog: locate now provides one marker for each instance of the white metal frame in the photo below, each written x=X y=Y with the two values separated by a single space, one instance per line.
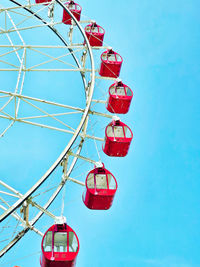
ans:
x=25 y=200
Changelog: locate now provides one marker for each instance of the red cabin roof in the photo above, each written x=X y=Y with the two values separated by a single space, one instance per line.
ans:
x=95 y=34
x=101 y=187
x=118 y=137
x=110 y=64
x=120 y=96
x=42 y=1
x=60 y=246
x=75 y=10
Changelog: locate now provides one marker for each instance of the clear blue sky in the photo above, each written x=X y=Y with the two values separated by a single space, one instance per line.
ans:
x=155 y=218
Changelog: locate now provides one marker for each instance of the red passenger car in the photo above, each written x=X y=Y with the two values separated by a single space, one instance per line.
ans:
x=75 y=10
x=111 y=63
x=118 y=139
x=120 y=96
x=42 y=1
x=95 y=34
x=60 y=246
x=101 y=187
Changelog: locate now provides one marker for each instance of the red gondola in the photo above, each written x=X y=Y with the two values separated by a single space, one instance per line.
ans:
x=60 y=246
x=111 y=63
x=42 y=1
x=75 y=10
x=95 y=34
x=120 y=96
x=118 y=139
x=101 y=187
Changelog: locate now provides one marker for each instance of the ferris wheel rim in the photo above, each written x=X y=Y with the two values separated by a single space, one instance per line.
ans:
x=76 y=133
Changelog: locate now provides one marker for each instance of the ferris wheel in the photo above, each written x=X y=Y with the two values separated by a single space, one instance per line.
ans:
x=52 y=60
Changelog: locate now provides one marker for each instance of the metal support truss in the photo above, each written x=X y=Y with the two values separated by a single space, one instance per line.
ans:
x=81 y=129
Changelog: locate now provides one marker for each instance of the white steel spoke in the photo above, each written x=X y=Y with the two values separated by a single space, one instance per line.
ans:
x=39 y=125
x=36 y=5
x=19 y=195
x=65 y=177
x=9 y=126
x=101 y=114
x=22 y=6
x=30 y=27
x=7 y=63
x=43 y=210
x=21 y=75
x=55 y=104
x=27 y=18
x=10 y=46
x=55 y=115
x=18 y=13
x=82 y=157
x=9 y=100
x=7 y=115
x=18 y=218
x=99 y=101
x=53 y=59
x=10 y=188
x=14 y=49
x=47 y=70
x=53 y=128
x=17 y=103
x=42 y=101
x=19 y=7
x=8 y=194
x=93 y=137
x=17 y=34
x=3 y=96
x=105 y=78
x=77 y=46
x=20 y=72
x=49 y=115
